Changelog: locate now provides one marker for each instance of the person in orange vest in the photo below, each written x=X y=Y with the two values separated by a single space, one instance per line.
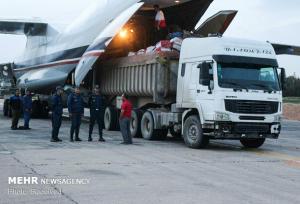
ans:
x=160 y=23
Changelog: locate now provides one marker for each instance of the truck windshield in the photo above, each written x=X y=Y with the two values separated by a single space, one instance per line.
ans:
x=248 y=76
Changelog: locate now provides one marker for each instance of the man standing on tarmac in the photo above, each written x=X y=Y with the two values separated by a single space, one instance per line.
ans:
x=125 y=118
x=27 y=109
x=96 y=105
x=15 y=103
x=57 y=111
x=76 y=111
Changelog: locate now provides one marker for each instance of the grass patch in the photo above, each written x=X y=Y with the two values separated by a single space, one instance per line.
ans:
x=295 y=100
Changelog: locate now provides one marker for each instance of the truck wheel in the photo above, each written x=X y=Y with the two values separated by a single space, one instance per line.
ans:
x=252 y=143
x=5 y=108
x=148 y=131
x=110 y=118
x=193 y=134
x=135 y=123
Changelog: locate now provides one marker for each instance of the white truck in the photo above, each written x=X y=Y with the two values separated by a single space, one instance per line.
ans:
x=217 y=88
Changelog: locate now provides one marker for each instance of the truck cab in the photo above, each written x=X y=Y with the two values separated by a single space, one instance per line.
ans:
x=228 y=89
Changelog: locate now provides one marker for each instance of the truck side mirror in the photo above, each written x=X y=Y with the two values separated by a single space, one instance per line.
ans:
x=282 y=77
x=204 y=73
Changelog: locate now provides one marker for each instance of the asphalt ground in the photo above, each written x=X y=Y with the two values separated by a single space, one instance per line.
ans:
x=148 y=171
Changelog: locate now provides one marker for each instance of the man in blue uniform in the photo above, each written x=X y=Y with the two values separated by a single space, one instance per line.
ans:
x=96 y=105
x=15 y=103
x=57 y=111
x=76 y=111
x=27 y=109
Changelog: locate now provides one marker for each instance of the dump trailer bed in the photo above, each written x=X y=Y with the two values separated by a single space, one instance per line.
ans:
x=150 y=78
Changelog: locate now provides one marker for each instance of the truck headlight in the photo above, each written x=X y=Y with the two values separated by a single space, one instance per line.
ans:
x=219 y=116
x=277 y=118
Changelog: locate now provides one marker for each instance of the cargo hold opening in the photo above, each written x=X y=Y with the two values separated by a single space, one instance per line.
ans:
x=139 y=32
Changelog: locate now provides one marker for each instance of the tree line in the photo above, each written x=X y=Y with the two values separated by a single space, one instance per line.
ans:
x=292 y=86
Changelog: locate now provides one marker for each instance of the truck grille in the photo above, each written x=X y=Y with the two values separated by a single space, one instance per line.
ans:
x=251 y=107
x=244 y=128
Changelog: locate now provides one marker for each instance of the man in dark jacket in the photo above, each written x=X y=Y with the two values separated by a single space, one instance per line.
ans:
x=96 y=105
x=27 y=109
x=15 y=103
x=57 y=111
x=76 y=111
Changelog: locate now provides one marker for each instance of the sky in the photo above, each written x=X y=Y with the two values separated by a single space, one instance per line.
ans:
x=276 y=21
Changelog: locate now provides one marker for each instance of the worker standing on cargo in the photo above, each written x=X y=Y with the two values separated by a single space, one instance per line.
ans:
x=125 y=118
x=27 y=109
x=57 y=111
x=160 y=24
x=96 y=105
x=76 y=111
x=15 y=103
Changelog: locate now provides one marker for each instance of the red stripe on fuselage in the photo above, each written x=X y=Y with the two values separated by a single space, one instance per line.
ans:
x=97 y=53
x=53 y=64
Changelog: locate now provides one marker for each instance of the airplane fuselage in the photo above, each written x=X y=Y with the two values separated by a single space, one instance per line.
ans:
x=52 y=57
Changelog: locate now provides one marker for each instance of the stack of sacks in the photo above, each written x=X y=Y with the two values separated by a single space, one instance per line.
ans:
x=141 y=52
x=176 y=43
x=131 y=54
x=163 y=46
x=150 y=49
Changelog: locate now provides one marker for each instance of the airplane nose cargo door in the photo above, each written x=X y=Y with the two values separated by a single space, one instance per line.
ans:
x=217 y=24
x=102 y=41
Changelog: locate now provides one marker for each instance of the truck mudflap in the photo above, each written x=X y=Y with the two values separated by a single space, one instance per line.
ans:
x=230 y=130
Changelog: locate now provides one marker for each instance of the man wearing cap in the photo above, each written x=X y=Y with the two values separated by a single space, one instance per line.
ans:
x=76 y=111
x=15 y=103
x=96 y=105
x=57 y=111
x=27 y=109
x=125 y=118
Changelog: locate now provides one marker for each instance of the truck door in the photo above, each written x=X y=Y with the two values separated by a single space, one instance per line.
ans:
x=191 y=83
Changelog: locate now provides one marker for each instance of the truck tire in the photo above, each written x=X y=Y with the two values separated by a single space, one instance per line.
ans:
x=135 y=123
x=148 y=131
x=6 y=107
x=110 y=119
x=193 y=134
x=253 y=143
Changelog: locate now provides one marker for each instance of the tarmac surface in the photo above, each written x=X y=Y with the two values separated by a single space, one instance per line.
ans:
x=148 y=171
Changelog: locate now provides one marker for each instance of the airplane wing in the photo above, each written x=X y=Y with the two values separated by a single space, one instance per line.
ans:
x=23 y=27
x=217 y=24
x=281 y=49
x=97 y=48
